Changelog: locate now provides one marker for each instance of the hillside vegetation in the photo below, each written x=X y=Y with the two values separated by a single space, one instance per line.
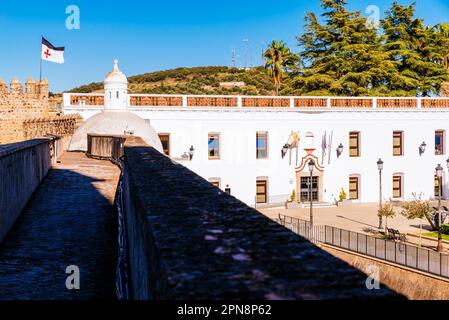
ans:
x=197 y=80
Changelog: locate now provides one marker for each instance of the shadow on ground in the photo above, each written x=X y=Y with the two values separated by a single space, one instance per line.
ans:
x=67 y=222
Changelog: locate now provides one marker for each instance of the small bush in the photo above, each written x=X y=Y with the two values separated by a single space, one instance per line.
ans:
x=445 y=229
x=293 y=196
x=343 y=195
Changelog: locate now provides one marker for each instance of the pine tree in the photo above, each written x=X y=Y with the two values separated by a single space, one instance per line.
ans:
x=442 y=31
x=416 y=51
x=344 y=56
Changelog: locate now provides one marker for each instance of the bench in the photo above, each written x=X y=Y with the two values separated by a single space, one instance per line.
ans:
x=396 y=235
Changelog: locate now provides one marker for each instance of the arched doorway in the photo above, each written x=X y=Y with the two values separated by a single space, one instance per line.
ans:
x=304 y=179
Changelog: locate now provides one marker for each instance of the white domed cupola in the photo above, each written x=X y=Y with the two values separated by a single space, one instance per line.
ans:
x=115 y=90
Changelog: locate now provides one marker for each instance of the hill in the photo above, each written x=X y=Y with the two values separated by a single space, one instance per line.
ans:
x=197 y=80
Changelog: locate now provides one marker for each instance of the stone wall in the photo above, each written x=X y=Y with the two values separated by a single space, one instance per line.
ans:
x=31 y=102
x=30 y=113
x=412 y=284
x=189 y=240
x=62 y=126
x=15 y=130
x=22 y=168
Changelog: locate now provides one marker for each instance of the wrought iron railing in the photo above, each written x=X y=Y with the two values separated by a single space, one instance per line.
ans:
x=395 y=252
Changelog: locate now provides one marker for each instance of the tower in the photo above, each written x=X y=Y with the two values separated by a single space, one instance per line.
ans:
x=115 y=90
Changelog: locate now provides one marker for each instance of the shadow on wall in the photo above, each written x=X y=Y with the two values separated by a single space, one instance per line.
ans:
x=190 y=240
x=67 y=222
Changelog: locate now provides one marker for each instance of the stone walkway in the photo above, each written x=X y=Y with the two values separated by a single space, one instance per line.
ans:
x=69 y=221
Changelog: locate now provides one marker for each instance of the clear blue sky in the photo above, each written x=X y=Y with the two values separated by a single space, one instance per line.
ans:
x=154 y=35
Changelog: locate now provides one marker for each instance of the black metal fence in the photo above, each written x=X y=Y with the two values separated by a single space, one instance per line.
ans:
x=388 y=250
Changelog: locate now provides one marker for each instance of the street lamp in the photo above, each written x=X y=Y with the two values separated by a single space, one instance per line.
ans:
x=439 y=171
x=422 y=148
x=380 y=167
x=284 y=150
x=191 y=152
x=340 y=150
x=311 y=166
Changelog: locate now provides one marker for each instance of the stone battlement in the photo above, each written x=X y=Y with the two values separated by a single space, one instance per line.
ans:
x=27 y=112
x=17 y=103
x=33 y=89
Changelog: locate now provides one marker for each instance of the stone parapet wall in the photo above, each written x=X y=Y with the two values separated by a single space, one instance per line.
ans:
x=411 y=283
x=12 y=107
x=22 y=168
x=187 y=240
x=15 y=130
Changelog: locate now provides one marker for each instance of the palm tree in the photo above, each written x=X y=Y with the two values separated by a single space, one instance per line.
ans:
x=279 y=61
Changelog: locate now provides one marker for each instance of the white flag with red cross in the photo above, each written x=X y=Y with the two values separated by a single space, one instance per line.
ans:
x=52 y=53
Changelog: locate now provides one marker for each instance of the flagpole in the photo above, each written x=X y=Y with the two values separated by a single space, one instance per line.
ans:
x=40 y=72
x=40 y=69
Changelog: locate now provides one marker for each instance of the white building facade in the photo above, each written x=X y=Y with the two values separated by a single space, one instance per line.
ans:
x=237 y=143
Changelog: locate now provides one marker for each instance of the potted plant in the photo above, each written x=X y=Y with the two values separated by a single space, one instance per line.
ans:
x=343 y=198
x=292 y=203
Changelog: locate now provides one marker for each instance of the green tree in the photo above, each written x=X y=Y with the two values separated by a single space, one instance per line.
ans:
x=386 y=211
x=343 y=56
x=415 y=49
x=280 y=61
x=417 y=209
x=442 y=30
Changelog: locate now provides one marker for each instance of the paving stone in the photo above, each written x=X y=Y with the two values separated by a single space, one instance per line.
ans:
x=69 y=221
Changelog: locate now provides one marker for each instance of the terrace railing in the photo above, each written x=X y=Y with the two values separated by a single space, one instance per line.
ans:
x=85 y=99
x=400 y=253
x=137 y=101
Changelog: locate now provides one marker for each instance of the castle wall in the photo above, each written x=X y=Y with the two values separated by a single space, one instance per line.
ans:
x=30 y=113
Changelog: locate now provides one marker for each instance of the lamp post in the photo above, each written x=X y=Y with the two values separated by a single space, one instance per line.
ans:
x=380 y=167
x=439 y=172
x=311 y=166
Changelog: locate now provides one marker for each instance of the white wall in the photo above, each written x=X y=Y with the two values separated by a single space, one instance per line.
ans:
x=239 y=168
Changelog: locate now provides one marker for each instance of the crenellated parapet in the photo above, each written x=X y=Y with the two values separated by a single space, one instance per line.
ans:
x=30 y=88
x=33 y=89
x=42 y=89
x=24 y=101
x=3 y=88
x=27 y=112
x=16 y=88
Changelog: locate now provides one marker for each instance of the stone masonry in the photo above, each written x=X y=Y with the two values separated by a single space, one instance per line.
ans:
x=188 y=240
x=30 y=113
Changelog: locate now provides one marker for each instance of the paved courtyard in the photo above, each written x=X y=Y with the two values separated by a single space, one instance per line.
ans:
x=356 y=217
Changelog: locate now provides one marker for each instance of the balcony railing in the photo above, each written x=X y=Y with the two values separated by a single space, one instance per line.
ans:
x=87 y=100
x=137 y=101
